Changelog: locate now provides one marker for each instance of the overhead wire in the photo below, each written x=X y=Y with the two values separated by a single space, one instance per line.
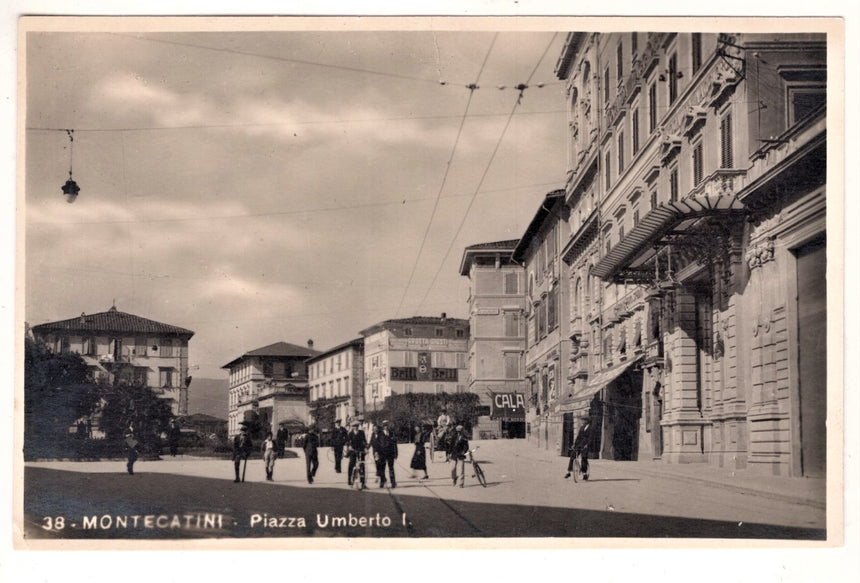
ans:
x=445 y=176
x=484 y=174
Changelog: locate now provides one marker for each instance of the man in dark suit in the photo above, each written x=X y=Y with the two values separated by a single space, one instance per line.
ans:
x=312 y=443
x=338 y=440
x=385 y=446
x=356 y=449
x=242 y=447
x=580 y=446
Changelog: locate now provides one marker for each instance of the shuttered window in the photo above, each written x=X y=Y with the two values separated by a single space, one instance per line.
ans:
x=726 y=146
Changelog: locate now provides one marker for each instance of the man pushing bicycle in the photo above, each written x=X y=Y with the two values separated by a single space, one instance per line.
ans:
x=580 y=447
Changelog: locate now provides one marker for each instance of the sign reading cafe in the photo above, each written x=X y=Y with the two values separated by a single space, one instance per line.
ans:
x=508 y=406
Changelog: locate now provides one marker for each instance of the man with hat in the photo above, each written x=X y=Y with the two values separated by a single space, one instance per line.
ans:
x=338 y=440
x=242 y=447
x=385 y=447
x=459 y=450
x=580 y=446
x=312 y=442
x=356 y=448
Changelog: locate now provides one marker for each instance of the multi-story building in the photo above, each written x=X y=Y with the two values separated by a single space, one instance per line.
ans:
x=336 y=379
x=422 y=354
x=270 y=384
x=697 y=187
x=122 y=347
x=497 y=343
x=547 y=337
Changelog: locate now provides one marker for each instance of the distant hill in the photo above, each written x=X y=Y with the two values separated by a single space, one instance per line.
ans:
x=208 y=396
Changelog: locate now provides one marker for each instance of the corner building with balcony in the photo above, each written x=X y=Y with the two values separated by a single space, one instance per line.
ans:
x=422 y=354
x=697 y=189
x=497 y=343
x=129 y=349
x=270 y=384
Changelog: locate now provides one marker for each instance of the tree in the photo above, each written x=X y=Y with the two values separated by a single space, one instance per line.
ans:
x=58 y=391
x=138 y=406
x=404 y=412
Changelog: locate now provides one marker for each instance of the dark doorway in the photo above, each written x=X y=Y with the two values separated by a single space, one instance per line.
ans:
x=625 y=410
x=566 y=434
x=812 y=356
x=514 y=429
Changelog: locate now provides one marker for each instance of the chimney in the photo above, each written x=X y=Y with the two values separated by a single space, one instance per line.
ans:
x=310 y=344
x=444 y=315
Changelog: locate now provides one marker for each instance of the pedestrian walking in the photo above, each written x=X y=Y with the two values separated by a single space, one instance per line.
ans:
x=281 y=440
x=242 y=447
x=311 y=445
x=459 y=449
x=270 y=454
x=377 y=458
x=338 y=440
x=580 y=446
x=356 y=449
x=131 y=445
x=419 y=458
x=385 y=447
x=173 y=434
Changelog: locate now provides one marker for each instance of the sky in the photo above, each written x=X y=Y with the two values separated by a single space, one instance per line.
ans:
x=258 y=187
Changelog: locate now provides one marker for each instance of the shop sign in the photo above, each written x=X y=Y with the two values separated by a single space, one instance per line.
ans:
x=508 y=406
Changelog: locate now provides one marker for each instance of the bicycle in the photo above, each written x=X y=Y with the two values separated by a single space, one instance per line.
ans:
x=576 y=470
x=358 y=472
x=479 y=473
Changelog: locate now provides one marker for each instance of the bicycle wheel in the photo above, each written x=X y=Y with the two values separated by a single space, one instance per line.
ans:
x=577 y=468
x=356 y=478
x=479 y=473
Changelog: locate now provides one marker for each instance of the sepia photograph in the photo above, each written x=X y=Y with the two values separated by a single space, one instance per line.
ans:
x=332 y=279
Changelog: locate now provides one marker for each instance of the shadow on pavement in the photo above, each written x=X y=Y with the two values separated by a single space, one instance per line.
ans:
x=174 y=505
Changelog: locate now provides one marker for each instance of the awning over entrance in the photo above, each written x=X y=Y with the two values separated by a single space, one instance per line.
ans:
x=660 y=221
x=93 y=362
x=604 y=377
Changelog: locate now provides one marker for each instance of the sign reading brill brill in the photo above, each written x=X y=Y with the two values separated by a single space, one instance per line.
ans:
x=508 y=406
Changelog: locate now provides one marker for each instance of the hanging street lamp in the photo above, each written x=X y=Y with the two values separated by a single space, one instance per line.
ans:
x=70 y=188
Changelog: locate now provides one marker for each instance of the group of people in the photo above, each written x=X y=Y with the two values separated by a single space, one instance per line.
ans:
x=354 y=444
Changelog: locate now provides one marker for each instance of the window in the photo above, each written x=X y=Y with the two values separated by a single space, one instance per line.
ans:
x=606 y=86
x=140 y=346
x=607 y=168
x=461 y=333
x=409 y=358
x=165 y=377
x=673 y=78
x=620 y=232
x=511 y=281
x=726 y=146
x=541 y=320
x=696 y=48
x=461 y=388
x=440 y=332
x=620 y=152
x=512 y=366
x=440 y=388
x=653 y=200
x=512 y=325
x=673 y=184
x=407 y=332
x=268 y=369
x=634 y=43
x=634 y=128
x=698 y=168
x=89 y=346
x=439 y=360
x=805 y=100
x=551 y=310
x=635 y=216
x=607 y=348
x=619 y=61
x=409 y=388
x=652 y=108
x=461 y=360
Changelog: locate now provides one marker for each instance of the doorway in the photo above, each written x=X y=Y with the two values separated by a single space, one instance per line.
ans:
x=812 y=356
